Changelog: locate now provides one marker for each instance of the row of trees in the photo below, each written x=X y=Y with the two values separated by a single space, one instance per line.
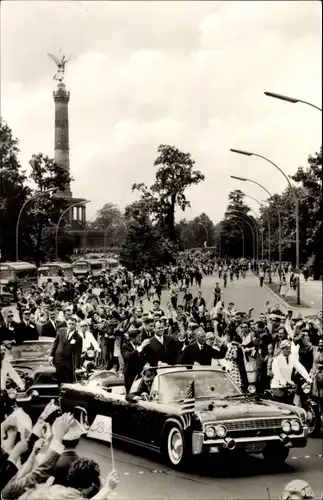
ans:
x=40 y=215
x=146 y=232
x=308 y=186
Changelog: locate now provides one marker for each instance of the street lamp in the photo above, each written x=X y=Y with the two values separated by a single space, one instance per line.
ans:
x=293 y=100
x=247 y=153
x=244 y=179
x=254 y=234
x=33 y=197
x=262 y=235
x=59 y=221
x=207 y=233
x=242 y=236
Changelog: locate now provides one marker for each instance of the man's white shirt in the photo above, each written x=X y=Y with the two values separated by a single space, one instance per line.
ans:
x=282 y=370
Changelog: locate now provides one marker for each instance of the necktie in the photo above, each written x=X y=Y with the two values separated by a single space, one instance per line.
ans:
x=287 y=360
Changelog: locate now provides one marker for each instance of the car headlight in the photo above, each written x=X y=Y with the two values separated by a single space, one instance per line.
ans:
x=12 y=393
x=251 y=389
x=221 y=431
x=296 y=425
x=210 y=431
x=286 y=426
x=90 y=354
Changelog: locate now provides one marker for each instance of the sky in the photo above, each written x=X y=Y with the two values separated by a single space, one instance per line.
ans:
x=189 y=74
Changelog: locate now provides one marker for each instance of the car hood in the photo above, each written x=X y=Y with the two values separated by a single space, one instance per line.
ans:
x=244 y=409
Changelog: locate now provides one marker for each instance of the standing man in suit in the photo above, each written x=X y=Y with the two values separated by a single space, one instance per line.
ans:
x=66 y=352
x=26 y=330
x=200 y=352
x=49 y=329
x=161 y=347
x=133 y=356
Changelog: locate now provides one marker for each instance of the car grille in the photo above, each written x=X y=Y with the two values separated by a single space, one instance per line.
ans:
x=249 y=425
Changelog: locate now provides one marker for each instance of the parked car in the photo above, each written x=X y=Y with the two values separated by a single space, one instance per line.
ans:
x=223 y=419
x=6 y=297
x=31 y=362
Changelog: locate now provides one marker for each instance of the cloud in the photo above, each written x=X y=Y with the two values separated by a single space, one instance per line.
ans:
x=142 y=74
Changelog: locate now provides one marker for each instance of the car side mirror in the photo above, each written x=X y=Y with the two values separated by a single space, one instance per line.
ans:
x=130 y=398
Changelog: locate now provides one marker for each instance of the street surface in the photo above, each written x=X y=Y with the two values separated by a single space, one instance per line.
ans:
x=311 y=293
x=145 y=476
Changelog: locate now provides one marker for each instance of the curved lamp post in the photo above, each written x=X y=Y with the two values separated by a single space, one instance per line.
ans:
x=205 y=228
x=242 y=237
x=293 y=100
x=244 y=179
x=248 y=153
x=59 y=221
x=262 y=236
x=254 y=234
x=36 y=195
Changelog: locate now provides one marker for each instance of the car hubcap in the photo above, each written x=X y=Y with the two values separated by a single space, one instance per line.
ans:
x=175 y=446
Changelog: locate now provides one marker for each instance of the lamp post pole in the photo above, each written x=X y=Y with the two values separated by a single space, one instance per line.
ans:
x=247 y=153
x=254 y=236
x=242 y=237
x=205 y=228
x=59 y=221
x=262 y=236
x=277 y=209
x=85 y=232
x=36 y=195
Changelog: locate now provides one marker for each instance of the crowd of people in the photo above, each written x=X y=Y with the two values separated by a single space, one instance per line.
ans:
x=118 y=316
x=42 y=462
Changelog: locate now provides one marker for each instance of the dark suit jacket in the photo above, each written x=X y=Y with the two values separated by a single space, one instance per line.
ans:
x=48 y=329
x=66 y=353
x=166 y=352
x=25 y=332
x=202 y=303
x=7 y=333
x=62 y=467
x=193 y=354
x=133 y=364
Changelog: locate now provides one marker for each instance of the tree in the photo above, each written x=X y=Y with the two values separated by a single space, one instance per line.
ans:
x=13 y=193
x=310 y=202
x=107 y=215
x=46 y=209
x=144 y=247
x=175 y=173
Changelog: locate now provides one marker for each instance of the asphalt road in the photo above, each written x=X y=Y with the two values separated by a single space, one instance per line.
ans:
x=144 y=476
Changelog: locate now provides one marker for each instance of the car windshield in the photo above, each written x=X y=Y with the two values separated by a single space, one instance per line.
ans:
x=32 y=349
x=173 y=387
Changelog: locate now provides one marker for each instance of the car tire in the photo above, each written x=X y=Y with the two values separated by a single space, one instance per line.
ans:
x=175 y=445
x=275 y=454
x=314 y=427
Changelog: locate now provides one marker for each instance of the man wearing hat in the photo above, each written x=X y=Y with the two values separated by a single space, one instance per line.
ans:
x=283 y=366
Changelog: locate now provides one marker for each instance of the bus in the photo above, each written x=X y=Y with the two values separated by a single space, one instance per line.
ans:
x=17 y=275
x=81 y=268
x=112 y=263
x=96 y=265
x=54 y=271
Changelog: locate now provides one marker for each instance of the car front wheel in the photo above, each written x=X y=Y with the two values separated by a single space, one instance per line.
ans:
x=275 y=454
x=175 y=446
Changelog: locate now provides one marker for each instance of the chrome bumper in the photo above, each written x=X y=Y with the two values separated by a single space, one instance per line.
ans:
x=201 y=444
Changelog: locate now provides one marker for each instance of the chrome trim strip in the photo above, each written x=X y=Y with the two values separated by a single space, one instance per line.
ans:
x=134 y=441
x=254 y=439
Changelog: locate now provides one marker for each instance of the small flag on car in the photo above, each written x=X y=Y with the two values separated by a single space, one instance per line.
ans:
x=188 y=406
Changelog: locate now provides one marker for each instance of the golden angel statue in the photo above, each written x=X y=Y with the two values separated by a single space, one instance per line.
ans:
x=60 y=63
